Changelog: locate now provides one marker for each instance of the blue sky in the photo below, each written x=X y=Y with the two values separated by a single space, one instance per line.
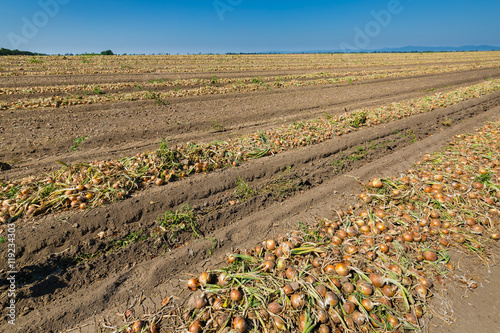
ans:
x=219 y=26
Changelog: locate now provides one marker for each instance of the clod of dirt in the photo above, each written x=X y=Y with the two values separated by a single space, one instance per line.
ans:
x=5 y=166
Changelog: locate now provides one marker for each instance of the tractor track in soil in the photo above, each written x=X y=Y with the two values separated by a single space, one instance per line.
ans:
x=58 y=292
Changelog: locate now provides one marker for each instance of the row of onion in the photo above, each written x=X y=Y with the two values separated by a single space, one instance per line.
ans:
x=236 y=85
x=372 y=268
x=339 y=77
x=90 y=64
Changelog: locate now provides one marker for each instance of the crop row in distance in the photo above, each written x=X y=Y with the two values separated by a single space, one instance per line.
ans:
x=254 y=84
x=337 y=77
x=90 y=64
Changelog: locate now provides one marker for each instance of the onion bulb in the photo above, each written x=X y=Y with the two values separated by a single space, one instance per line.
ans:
x=377 y=280
x=377 y=183
x=364 y=287
x=269 y=256
x=341 y=269
x=270 y=244
x=223 y=279
x=478 y=229
x=389 y=290
x=279 y=323
x=268 y=266
x=336 y=240
x=153 y=327
x=236 y=295
x=329 y=269
x=348 y=288
x=279 y=252
x=411 y=318
x=196 y=327
x=239 y=324
x=367 y=304
x=323 y=329
x=302 y=321
x=280 y=263
x=353 y=299
x=421 y=291
x=298 y=301
x=137 y=326
x=286 y=248
x=331 y=299
x=396 y=269
x=425 y=282
x=316 y=262
x=430 y=256
x=291 y=273
x=288 y=289
x=205 y=278
x=392 y=320
x=193 y=284
x=321 y=290
x=408 y=237
x=358 y=318
x=418 y=311
x=351 y=231
x=200 y=302
x=335 y=317
x=349 y=322
x=351 y=249
x=218 y=304
x=322 y=316
x=349 y=307
x=335 y=282
x=375 y=320
x=274 y=307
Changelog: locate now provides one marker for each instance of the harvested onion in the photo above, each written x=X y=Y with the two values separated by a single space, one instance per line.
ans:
x=341 y=269
x=236 y=295
x=298 y=301
x=193 y=284
x=274 y=307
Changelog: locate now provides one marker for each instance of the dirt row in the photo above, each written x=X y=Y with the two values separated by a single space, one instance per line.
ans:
x=71 y=277
x=32 y=140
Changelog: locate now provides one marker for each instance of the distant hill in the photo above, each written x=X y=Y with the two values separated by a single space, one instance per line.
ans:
x=440 y=48
x=17 y=52
x=405 y=49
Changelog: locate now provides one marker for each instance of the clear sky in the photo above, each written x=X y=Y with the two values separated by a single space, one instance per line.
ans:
x=220 y=26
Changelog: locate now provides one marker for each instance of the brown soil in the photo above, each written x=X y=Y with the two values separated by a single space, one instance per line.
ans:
x=71 y=278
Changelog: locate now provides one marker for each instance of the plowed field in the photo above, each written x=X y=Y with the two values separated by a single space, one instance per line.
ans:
x=80 y=269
